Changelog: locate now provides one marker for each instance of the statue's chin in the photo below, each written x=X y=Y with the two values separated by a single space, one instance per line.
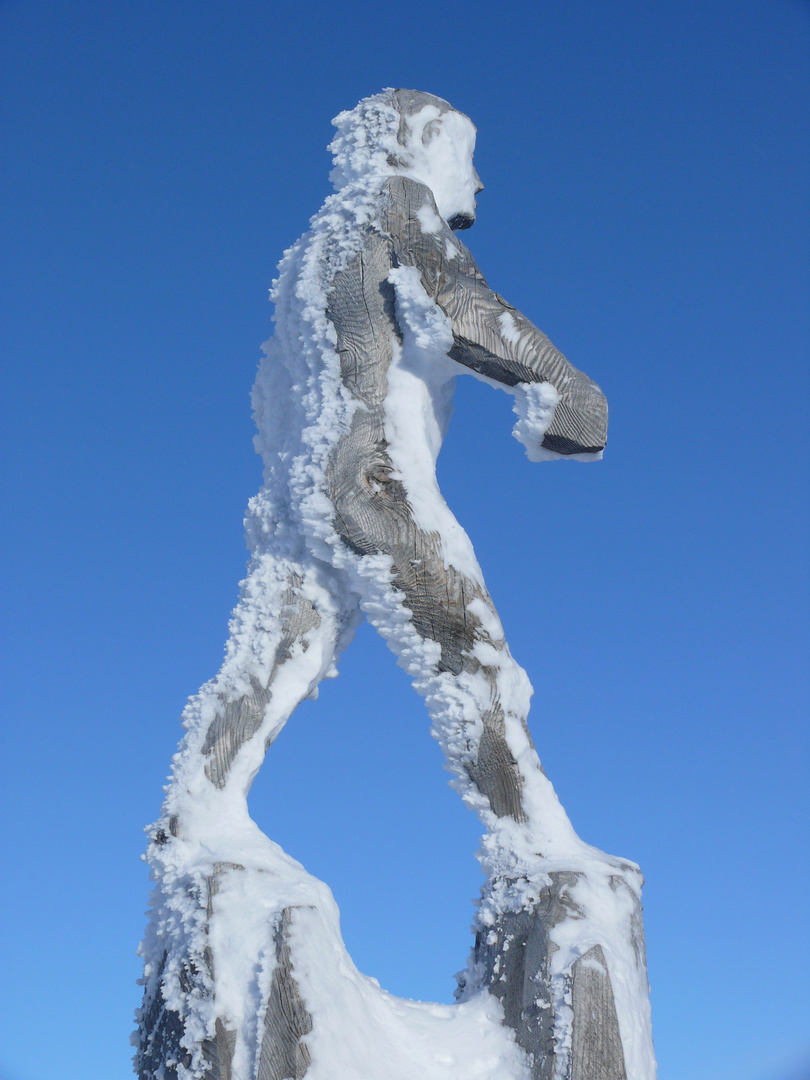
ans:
x=461 y=221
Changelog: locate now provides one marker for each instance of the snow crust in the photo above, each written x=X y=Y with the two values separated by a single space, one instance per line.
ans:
x=220 y=884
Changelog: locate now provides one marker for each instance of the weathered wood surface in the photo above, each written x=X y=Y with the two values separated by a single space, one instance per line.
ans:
x=239 y=720
x=372 y=516
x=372 y=513
x=597 y=1043
x=461 y=291
x=283 y=1055
x=517 y=958
x=162 y=1052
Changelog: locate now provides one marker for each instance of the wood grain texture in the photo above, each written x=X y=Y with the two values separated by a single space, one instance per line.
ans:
x=283 y=1055
x=240 y=719
x=523 y=354
x=517 y=955
x=372 y=516
x=162 y=1029
x=162 y=1052
x=596 y=1051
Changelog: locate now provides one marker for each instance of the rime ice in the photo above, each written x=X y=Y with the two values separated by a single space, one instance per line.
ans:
x=378 y=308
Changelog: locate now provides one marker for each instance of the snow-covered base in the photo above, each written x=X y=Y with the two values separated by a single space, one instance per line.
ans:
x=358 y=1030
x=222 y=887
x=218 y=911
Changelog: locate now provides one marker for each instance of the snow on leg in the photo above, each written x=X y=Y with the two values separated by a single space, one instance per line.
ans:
x=293 y=620
x=557 y=928
x=419 y=595
x=221 y=885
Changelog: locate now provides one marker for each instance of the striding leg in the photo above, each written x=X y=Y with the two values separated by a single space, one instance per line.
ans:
x=216 y=874
x=558 y=930
x=439 y=620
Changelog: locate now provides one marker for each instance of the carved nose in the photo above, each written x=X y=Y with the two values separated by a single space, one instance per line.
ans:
x=478 y=185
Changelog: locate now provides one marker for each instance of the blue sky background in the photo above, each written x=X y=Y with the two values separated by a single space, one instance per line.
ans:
x=646 y=168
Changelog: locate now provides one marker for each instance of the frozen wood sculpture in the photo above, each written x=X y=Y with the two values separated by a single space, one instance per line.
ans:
x=378 y=308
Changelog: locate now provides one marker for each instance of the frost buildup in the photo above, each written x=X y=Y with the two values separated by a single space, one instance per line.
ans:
x=378 y=308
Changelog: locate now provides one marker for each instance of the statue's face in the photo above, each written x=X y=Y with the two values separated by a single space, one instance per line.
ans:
x=440 y=147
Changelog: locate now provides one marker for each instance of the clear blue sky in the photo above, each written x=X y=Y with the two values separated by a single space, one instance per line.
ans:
x=646 y=171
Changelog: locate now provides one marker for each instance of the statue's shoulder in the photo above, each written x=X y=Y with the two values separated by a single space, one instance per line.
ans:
x=406 y=190
x=405 y=199
x=411 y=221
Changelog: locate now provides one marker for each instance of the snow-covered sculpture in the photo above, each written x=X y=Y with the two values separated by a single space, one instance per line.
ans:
x=378 y=308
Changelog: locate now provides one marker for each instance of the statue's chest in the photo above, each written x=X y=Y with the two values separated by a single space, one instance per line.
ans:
x=360 y=305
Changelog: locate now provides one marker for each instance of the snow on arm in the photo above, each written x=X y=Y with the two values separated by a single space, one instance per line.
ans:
x=494 y=340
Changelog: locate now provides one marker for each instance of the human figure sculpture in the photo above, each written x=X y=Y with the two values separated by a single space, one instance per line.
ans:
x=378 y=307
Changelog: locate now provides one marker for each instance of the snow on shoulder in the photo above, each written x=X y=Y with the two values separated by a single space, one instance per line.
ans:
x=378 y=308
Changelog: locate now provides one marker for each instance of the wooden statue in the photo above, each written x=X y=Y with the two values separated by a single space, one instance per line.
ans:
x=378 y=308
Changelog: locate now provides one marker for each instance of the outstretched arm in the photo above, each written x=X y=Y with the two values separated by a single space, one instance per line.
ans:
x=491 y=337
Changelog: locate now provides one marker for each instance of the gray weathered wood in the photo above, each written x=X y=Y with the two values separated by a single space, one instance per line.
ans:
x=161 y=1051
x=283 y=1055
x=517 y=958
x=597 y=1043
x=239 y=720
x=372 y=516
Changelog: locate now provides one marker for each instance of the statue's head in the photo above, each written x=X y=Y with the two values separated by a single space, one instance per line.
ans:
x=414 y=134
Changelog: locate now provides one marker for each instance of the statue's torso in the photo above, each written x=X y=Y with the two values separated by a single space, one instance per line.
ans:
x=360 y=303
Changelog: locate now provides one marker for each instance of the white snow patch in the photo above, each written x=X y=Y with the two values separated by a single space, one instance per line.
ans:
x=429 y=219
x=487 y=617
x=508 y=328
x=439 y=154
x=375 y=1036
x=592 y=964
x=534 y=404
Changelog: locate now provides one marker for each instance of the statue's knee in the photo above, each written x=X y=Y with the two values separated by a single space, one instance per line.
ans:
x=495 y=771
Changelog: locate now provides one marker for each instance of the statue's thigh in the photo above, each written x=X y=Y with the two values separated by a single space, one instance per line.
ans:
x=302 y=647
